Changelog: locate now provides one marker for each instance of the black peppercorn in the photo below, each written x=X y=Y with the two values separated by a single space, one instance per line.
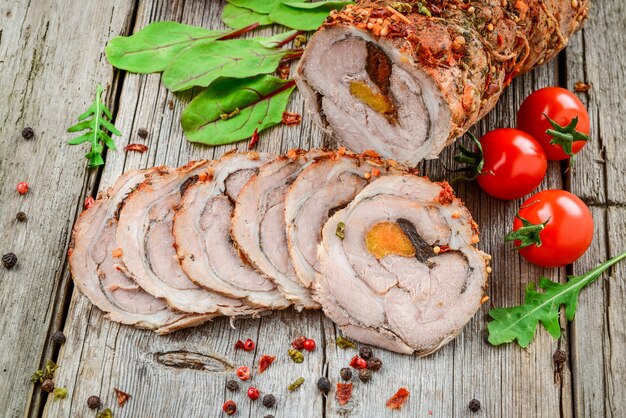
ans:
x=58 y=337
x=374 y=364
x=269 y=401
x=559 y=357
x=232 y=385
x=47 y=385
x=9 y=260
x=28 y=133
x=323 y=384
x=474 y=405
x=346 y=373
x=268 y=416
x=93 y=402
x=143 y=133
x=365 y=352
x=20 y=217
x=365 y=375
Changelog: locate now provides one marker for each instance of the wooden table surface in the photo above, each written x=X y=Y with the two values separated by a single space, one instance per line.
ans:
x=51 y=59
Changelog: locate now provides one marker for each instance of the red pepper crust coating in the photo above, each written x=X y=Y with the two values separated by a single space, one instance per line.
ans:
x=473 y=50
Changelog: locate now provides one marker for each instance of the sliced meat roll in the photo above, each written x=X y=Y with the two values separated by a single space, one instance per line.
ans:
x=147 y=247
x=202 y=232
x=258 y=225
x=94 y=272
x=398 y=265
x=329 y=184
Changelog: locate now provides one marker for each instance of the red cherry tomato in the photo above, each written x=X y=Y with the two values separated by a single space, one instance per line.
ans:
x=253 y=393
x=243 y=373
x=561 y=106
x=308 y=345
x=22 y=187
x=514 y=164
x=568 y=230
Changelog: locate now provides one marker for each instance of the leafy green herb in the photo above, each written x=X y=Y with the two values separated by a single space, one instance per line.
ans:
x=528 y=234
x=105 y=413
x=565 y=136
x=47 y=373
x=60 y=393
x=339 y=231
x=344 y=343
x=96 y=121
x=421 y=9
x=296 y=356
x=261 y=101
x=520 y=322
x=295 y=385
x=304 y=16
x=238 y=17
x=155 y=46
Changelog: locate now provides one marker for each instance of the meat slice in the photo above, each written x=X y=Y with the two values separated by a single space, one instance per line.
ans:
x=258 y=225
x=94 y=272
x=202 y=232
x=398 y=266
x=147 y=247
x=406 y=78
x=327 y=185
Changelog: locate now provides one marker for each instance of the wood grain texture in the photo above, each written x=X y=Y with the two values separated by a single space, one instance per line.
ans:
x=50 y=64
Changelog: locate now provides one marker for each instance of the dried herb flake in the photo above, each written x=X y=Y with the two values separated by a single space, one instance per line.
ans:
x=344 y=343
x=296 y=384
x=340 y=230
x=296 y=356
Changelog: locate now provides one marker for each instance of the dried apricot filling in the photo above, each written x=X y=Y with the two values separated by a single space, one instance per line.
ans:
x=387 y=238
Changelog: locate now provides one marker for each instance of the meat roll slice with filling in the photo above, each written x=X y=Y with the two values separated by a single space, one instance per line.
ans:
x=147 y=247
x=94 y=272
x=398 y=266
x=327 y=185
x=258 y=225
x=406 y=78
x=202 y=232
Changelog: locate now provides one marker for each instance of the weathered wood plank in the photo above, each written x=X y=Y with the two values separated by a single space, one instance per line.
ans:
x=50 y=62
x=596 y=55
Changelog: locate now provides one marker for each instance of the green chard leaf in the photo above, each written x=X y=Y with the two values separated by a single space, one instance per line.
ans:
x=261 y=101
x=95 y=122
x=239 y=17
x=203 y=63
x=259 y=6
x=520 y=322
x=153 y=47
x=304 y=16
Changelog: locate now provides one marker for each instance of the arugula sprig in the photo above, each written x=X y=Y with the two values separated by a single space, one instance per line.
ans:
x=96 y=121
x=520 y=322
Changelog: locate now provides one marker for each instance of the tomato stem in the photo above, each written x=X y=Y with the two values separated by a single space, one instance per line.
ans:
x=473 y=161
x=565 y=136
x=529 y=234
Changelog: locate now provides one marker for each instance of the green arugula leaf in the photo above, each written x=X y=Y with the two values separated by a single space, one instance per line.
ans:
x=97 y=127
x=261 y=101
x=259 y=6
x=304 y=16
x=238 y=17
x=203 y=63
x=520 y=322
x=153 y=47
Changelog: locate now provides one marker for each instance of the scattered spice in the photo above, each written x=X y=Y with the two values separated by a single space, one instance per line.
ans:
x=365 y=375
x=581 y=87
x=309 y=344
x=243 y=373
x=559 y=358
x=106 y=413
x=232 y=385
x=296 y=384
x=358 y=363
x=474 y=405
x=21 y=217
x=342 y=342
x=58 y=337
x=254 y=139
x=46 y=373
x=122 y=397
x=93 y=402
x=28 y=133
x=253 y=393
x=136 y=147
x=299 y=41
x=47 y=385
x=346 y=373
x=9 y=261
x=290 y=118
x=298 y=343
x=230 y=407
x=117 y=253
x=59 y=393
x=340 y=232
x=248 y=345
x=283 y=71
x=296 y=356
x=22 y=187
x=265 y=361
x=365 y=352
x=143 y=133
x=170 y=104
x=398 y=399
x=269 y=416
x=374 y=364
x=269 y=401
x=344 y=393
x=226 y=116
x=89 y=201
x=323 y=384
